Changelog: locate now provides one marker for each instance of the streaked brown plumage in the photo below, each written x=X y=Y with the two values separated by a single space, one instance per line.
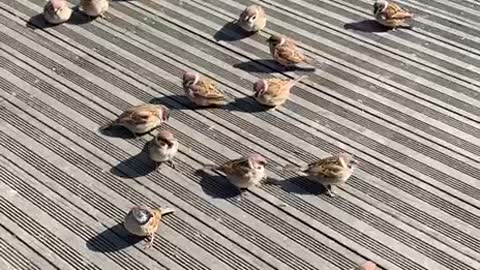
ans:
x=202 y=91
x=243 y=172
x=285 y=51
x=144 y=221
x=274 y=92
x=333 y=170
x=163 y=147
x=94 y=8
x=142 y=118
x=253 y=19
x=57 y=11
x=390 y=14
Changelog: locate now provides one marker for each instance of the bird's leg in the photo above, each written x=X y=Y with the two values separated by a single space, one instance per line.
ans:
x=133 y=133
x=158 y=165
x=329 y=191
x=150 y=242
x=172 y=164
x=242 y=193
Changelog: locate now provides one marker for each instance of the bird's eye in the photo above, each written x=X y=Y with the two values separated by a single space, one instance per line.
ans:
x=253 y=17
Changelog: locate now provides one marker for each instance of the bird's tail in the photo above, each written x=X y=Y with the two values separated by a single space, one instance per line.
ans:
x=106 y=126
x=211 y=167
x=310 y=61
x=291 y=168
x=406 y=26
x=166 y=211
x=299 y=78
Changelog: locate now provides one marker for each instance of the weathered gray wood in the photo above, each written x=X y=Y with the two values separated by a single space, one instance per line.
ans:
x=406 y=103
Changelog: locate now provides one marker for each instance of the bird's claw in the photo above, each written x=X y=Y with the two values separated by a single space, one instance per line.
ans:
x=172 y=164
x=330 y=193
x=149 y=244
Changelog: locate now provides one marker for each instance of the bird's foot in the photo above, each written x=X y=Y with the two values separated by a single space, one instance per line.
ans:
x=330 y=192
x=149 y=244
x=172 y=164
x=242 y=194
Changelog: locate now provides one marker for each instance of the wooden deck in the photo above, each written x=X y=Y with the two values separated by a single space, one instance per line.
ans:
x=406 y=103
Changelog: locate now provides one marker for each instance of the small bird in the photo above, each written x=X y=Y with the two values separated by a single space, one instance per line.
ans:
x=285 y=51
x=94 y=8
x=366 y=266
x=333 y=170
x=253 y=19
x=141 y=118
x=391 y=15
x=243 y=172
x=163 y=147
x=273 y=92
x=57 y=11
x=202 y=91
x=144 y=221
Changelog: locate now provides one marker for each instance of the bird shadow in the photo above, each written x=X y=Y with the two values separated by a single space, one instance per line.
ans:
x=269 y=66
x=182 y=103
x=112 y=239
x=117 y=132
x=231 y=32
x=135 y=166
x=216 y=186
x=369 y=26
x=298 y=185
x=122 y=132
x=246 y=104
x=38 y=21
x=79 y=18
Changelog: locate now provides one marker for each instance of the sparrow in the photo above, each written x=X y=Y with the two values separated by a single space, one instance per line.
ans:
x=144 y=221
x=333 y=170
x=252 y=19
x=366 y=266
x=57 y=11
x=202 y=91
x=163 y=147
x=390 y=14
x=285 y=51
x=94 y=8
x=141 y=118
x=273 y=92
x=243 y=172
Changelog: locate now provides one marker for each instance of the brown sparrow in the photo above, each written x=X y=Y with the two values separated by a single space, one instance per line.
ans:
x=94 y=8
x=163 y=147
x=273 y=92
x=142 y=118
x=333 y=170
x=143 y=221
x=366 y=266
x=253 y=19
x=243 y=172
x=285 y=51
x=202 y=91
x=57 y=11
x=390 y=14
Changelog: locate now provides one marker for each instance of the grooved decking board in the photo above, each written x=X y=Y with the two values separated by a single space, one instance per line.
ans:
x=406 y=103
